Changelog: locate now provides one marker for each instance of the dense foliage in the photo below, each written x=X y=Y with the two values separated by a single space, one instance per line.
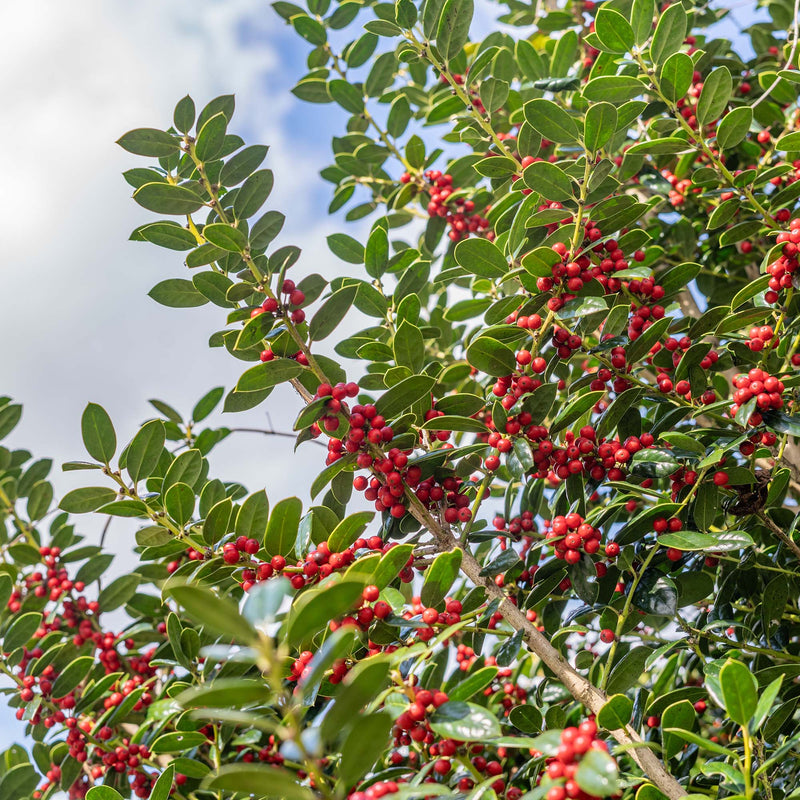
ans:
x=574 y=569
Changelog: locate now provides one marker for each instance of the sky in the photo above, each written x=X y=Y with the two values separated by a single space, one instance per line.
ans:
x=76 y=322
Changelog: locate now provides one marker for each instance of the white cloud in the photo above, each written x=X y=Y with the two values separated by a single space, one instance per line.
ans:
x=76 y=322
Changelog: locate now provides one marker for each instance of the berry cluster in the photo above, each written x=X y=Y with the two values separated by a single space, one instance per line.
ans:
x=765 y=388
x=232 y=551
x=458 y=212
x=570 y=535
x=784 y=267
x=761 y=337
x=334 y=406
x=575 y=743
x=293 y=298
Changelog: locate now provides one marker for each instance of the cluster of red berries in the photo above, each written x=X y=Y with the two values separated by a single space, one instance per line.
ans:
x=570 y=535
x=386 y=488
x=367 y=427
x=575 y=743
x=318 y=564
x=782 y=269
x=334 y=405
x=412 y=725
x=762 y=336
x=458 y=212
x=680 y=187
x=293 y=298
x=764 y=387
x=233 y=551
x=510 y=388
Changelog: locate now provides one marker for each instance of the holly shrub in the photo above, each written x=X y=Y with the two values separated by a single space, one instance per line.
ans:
x=569 y=568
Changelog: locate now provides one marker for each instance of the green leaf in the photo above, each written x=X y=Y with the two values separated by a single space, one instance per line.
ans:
x=599 y=126
x=642 y=13
x=348 y=530
x=331 y=313
x=118 y=592
x=218 y=614
x=211 y=137
x=72 y=675
x=253 y=193
x=269 y=374
x=346 y=248
x=177 y=293
x=549 y=180
x=765 y=702
x=490 y=356
x=404 y=394
x=226 y=693
x=253 y=516
x=482 y=258
x=217 y=521
x=452 y=32
x=616 y=89
x=184 y=115
x=712 y=542
x=613 y=31
x=788 y=142
x=526 y=718
x=739 y=694
x=10 y=415
x=359 y=687
x=266 y=229
x=440 y=576
x=615 y=713
x=265 y=599
x=637 y=348
x=733 y=127
x=207 y=403
x=243 y=164
x=145 y=450
x=325 y=603
x=676 y=76
x=169 y=234
x=455 y=423
x=103 y=793
x=163 y=786
x=597 y=774
x=552 y=121
x=627 y=671
x=164 y=198
x=85 y=499
x=474 y=683
x=311 y=30
x=678 y=715
x=714 y=97
x=21 y=630
x=261 y=780
x=466 y=722
x=179 y=503
x=669 y=34
x=376 y=254
x=409 y=346
x=575 y=409
x=282 y=528
x=225 y=236
x=364 y=745
x=149 y=142
x=98 y=434
x=347 y=96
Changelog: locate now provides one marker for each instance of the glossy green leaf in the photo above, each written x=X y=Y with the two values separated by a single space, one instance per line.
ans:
x=282 y=528
x=738 y=691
